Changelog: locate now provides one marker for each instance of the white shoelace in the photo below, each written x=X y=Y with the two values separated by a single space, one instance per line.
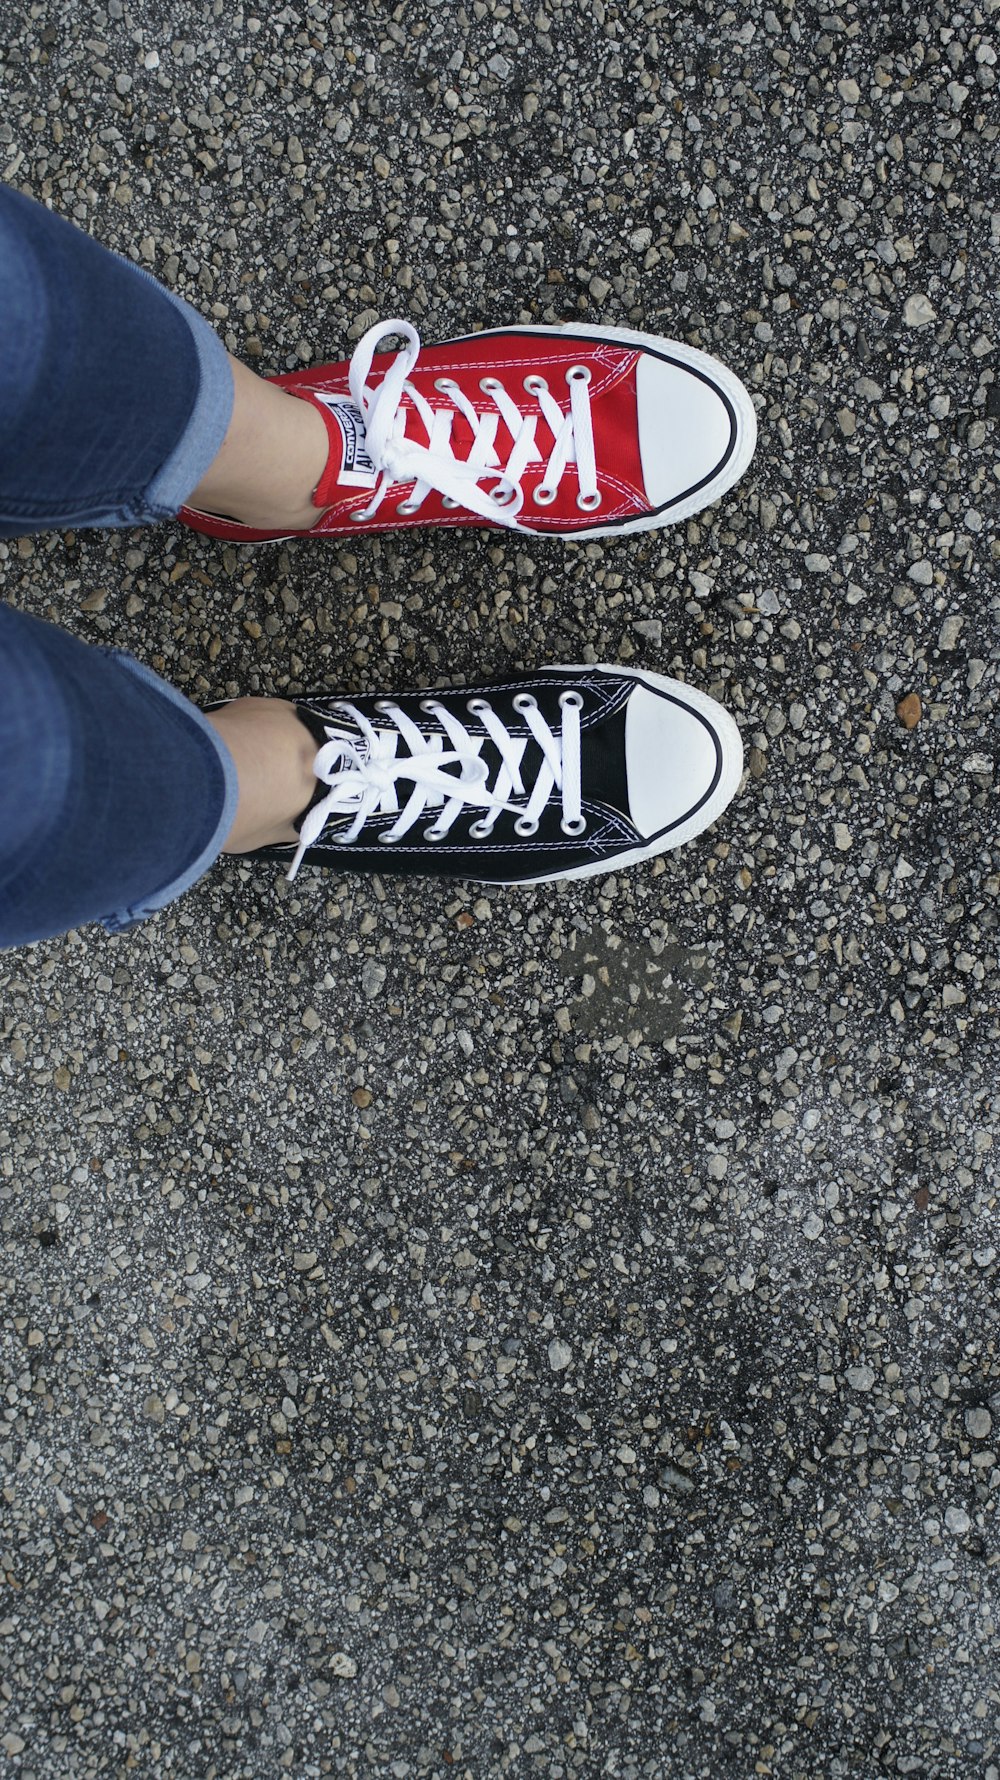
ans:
x=365 y=776
x=433 y=464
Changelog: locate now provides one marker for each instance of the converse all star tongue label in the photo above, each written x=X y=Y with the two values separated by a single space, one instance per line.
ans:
x=357 y=470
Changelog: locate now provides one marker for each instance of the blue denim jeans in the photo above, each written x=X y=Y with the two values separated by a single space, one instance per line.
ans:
x=114 y=395
x=116 y=793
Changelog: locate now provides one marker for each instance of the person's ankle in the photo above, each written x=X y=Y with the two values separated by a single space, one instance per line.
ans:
x=273 y=753
x=270 y=462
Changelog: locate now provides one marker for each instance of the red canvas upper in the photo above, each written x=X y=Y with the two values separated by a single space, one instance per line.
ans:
x=509 y=357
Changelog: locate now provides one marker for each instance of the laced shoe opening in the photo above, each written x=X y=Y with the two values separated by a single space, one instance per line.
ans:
x=390 y=765
x=454 y=448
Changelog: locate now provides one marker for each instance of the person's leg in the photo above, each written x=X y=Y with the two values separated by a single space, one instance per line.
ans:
x=116 y=793
x=271 y=460
x=117 y=400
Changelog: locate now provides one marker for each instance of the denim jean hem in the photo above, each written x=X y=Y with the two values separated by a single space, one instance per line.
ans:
x=176 y=451
x=122 y=919
x=209 y=422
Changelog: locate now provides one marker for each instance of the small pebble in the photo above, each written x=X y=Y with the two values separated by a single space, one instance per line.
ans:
x=918 y=311
x=950 y=631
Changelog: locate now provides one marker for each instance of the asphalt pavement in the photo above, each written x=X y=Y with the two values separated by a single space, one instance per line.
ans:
x=462 y=1332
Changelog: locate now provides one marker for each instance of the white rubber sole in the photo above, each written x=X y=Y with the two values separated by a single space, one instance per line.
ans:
x=730 y=745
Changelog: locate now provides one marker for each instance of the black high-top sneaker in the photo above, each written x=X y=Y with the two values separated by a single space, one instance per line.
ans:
x=563 y=773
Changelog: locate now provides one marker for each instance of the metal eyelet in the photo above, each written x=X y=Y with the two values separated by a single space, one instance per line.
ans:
x=523 y=701
x=571 y=701
x=359 y=518
x=445 y=385
x=489 y=384
x=406 y=508
x=578 y=374
x=478 y=831
x=573 y=825
x=387 y=840
x=525 y=826
x=503 y=496
x=430 y=706
x=589 y=503
x=434 y=834
x=535 y=386
x=543 y=497
x=476 y=706
x=448 y=502
x=382 y=705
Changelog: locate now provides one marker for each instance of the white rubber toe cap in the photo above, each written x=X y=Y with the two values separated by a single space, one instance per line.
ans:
x=684 y=759
x=697 y=428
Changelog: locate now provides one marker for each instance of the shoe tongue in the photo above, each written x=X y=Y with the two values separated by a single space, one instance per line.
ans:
x=348 y=465
x=324 y=732
x=604 y=764
x=605 y=769
x=318 y=725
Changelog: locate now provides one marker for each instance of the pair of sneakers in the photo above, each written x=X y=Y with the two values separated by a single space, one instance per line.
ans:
x=573 y=432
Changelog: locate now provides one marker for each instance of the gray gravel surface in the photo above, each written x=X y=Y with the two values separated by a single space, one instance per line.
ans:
x=550 y=1332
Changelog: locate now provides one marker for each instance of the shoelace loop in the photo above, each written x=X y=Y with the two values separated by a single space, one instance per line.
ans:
x=400 y=459
x=365 y=774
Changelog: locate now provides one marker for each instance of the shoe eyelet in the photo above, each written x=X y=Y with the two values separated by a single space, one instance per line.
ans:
x=578 y=374
x=433 y=834
x=405 y=508
x=359 y=518
x=448 y=502
x=523 y=701
x=445 y=385
x=489 y=385
x=589 y=503
x=430 y=706
x=387 y=840
x=543 y=497
x=479 y=830
x=573 y=825
x=535 y=386
x=525 y=826
x=503 y=496
x=382 y=705
x=571 y=701
x=476 y=706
